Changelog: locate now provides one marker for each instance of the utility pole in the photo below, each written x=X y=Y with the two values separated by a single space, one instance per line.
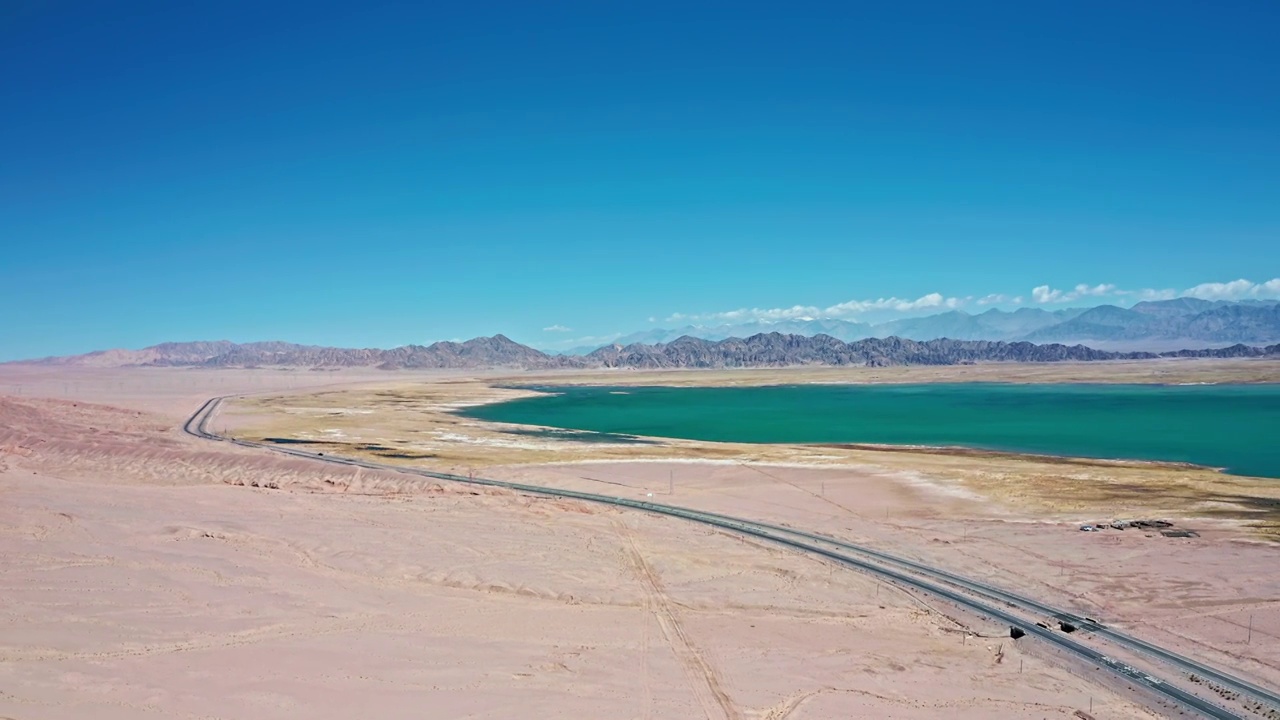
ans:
x=1249 y=637
x=671 y=483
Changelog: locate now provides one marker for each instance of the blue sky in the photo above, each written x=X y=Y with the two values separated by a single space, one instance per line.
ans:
x=375 y=174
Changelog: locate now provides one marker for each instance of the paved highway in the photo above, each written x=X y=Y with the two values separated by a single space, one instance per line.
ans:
x=1234 y=683
x=803 y=541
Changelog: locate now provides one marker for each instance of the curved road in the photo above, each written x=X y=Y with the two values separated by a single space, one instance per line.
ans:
x=800 y=540
x=1013 y=599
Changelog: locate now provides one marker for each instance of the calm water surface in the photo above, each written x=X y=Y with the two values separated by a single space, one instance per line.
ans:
x=1236 y=427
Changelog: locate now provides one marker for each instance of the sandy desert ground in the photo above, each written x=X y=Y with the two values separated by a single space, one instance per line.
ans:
x=149 y=574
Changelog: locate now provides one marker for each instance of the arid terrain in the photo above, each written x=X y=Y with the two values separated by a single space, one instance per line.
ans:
x=413 y=423
x=149 y=573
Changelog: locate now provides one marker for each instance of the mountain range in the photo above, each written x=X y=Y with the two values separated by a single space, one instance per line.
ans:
x=498 y=351
x=1151 y=326
x=760 y=350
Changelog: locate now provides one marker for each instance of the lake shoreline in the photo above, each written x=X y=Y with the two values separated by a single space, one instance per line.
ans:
x=1204 y=426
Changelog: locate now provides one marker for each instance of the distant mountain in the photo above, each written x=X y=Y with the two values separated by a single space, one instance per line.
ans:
x=840 y=329
x=1016 y=324
x=759 y=350
x=959 y=325
x=497 y=352
x=1172 y=320
x=1178 y=307
x=1151 y=326
x=1105 y=322
x=777 y=350
x=163 y=354
x=955 y=324
x=1234 y=323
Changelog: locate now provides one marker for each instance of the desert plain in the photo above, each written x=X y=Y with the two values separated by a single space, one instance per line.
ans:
x=148 y=573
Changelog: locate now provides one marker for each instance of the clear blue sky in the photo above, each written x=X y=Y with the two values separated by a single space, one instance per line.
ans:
x=376 y=174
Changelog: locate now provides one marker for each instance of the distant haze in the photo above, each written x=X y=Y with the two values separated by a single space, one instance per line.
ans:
x=1153 y=326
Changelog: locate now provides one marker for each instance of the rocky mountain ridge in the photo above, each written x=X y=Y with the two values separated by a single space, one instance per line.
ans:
x=760 y=350
x=777 y=350
x=498 y=351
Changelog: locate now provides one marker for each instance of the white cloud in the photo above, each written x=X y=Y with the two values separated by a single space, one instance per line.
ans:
x=1099 y=290
x=1045 y=294
x=811 y=312
x=1235 y=290
x=1152 y=294
x=557 y=329
x=1220 y=291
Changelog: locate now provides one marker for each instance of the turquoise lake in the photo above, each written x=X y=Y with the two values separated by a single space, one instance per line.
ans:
x=1234 y=427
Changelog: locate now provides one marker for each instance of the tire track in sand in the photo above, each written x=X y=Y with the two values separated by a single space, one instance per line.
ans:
x=703 y=678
